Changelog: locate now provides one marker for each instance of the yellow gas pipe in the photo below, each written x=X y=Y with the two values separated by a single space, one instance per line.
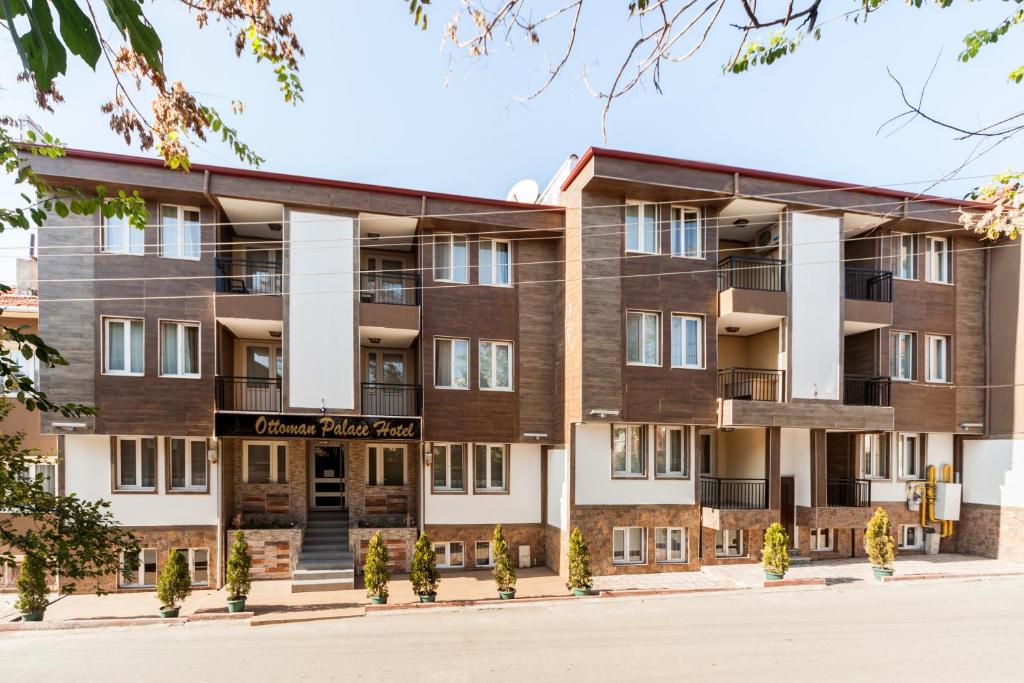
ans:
x=948 y=528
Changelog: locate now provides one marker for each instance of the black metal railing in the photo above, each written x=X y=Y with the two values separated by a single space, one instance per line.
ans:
x=869 y=285
x=249 y=394
x=402 y=289
x=394 y=400
x=866 y=391
x=752 y=272
x=733 y=494
x=244 y=276
x=750 y=384
x=848 y=493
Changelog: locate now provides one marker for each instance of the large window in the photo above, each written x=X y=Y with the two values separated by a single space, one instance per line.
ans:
x=448 y=462
x=874 y=456
x=642 y=228
x=911 y=456
x=46 y=471
x=671 y=452
x=643 y=338
x=179 y=232
x=911 y=537
x=496 y=262
x=669 y=545
x=821 y=540
x=198 y=560
x=124 y=348
x=451 y=258
x=140 y=569
x=902 y=365
x=905 y=254
x=136 y=463
x=483 y=553
x=179 y=349
x=686 y=233
x=729 y=543
x=385 y=465
x=121 y=238
x=629 y=450
x=449 y=555
x=496 y=366
x=687 y=341
x=187 y=460
x=938 y=260
x=628 y=545
x=490 y=467
x=937 y=358
x=451 y=363
x=266 y=462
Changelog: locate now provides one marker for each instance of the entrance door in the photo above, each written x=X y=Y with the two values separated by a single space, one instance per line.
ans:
x=264 y=365
x=327 y=485
x=788 y=495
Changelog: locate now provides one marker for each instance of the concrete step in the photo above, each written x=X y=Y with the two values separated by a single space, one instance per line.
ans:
x=323 y=565
x=336 y=555
x=323 y=574
x=327 y=524
x=324 y=547
x=317 y=532
x=795 y=560
x=302 y=586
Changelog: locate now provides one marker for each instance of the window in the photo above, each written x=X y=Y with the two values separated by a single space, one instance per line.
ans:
x=629 y=450
x=821 y=540
x=449 y=555
x=490 y=466
x=628 y=545
x=121 y=238
x=179 y=349
x=909 y=447
x=669 y=545
x=496 y=263
x=911 y=537
x=706 y=445
x=671 y=452
x=901 y=356
x=496 y=366
x=874 y=456
x=938 y=260
x=905 y=252
x=136 y=463
x=451 y=363
x=451 y=258
x=141 y=569
x=188 y=464
x=26 y=367
x=123 y=345
x=198 y=560
x=484 y=554
x=48 y=473
x=687 y=341
x=642 y=228
x=728 y=543
x=385 y=465
x=936 y=359
x=643 y=338
x=448 y=461
x=686 y=233
x=179 y=232
x=266 y=462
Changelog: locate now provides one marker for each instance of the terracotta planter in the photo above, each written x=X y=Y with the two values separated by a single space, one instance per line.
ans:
x=237 y=605
x=379 y=600
x=882 y=571
x=169 y=612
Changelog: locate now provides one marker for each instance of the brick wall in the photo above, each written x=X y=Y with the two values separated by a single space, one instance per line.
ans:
x=399 y=542
x=991 y=531
x=847 y=521
x=532 y=535
x=380 y=505
x=165 y=538
x=274 y=551
x=597 y=521
x=282 y=502
x=556 y=550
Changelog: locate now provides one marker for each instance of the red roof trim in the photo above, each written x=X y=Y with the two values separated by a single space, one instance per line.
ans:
x=754 y=173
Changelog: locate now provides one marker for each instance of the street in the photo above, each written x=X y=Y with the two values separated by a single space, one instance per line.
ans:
x=934 y=630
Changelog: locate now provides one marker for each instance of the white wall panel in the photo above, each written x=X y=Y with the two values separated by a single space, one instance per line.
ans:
x=816 y=305
x=520 y=506
x=558 y=489
x=994 y=472
x=796 y=462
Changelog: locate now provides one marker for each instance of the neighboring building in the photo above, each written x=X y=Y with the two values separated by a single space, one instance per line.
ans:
x=672 y=358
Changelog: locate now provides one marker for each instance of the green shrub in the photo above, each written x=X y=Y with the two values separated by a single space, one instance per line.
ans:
x=375 y=569
x=424 y=575
x=579 y=562
x=879 y=544
x=174 y=583
x=33 y=593
x=504 y=570
x=775 y=553
x=239 y=566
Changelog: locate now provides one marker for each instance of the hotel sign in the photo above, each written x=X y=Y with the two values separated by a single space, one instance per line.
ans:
x=352 y=427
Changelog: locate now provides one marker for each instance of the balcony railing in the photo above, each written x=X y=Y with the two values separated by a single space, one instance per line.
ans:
x=249 y=394
x=869 y=285
x=866 y=391
x=393 y=400
x=752 y=272
x=733 y=494
x=750 y=384
x=243 y=276
x=402 y=289
x=848 y=493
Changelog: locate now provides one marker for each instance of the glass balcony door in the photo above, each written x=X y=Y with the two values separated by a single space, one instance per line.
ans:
x=264 y=367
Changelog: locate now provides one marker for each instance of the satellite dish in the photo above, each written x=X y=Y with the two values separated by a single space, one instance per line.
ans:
x=525 y=190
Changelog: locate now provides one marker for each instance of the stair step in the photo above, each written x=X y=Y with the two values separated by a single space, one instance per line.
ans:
x=798 y=559
x=323 y=565
x=322 y=586
x=323 y=574
x=324 y=547
x=317 y=532
x=336 y=555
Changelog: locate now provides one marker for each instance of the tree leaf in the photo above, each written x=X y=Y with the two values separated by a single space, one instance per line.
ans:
x=128 y=17
x=77 y=31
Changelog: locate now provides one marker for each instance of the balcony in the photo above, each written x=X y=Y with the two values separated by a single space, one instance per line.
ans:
x=867 y=304
x=866 y=391
x=734 y=494
x=751 y=384
x=869 y=285
x=249 y=394
x=399 y=289
x=848 y=493
x=752 y=272
x=391 y=400
x=244 y=276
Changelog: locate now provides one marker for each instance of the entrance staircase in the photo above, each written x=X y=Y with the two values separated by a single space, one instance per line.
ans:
x=325 y=562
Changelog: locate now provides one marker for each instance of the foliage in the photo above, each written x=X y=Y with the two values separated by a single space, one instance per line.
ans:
x=775 y=553
x=33 y=593
x=375 y=569
x=239 y=565
x=174 y=583
x=424 y=575
x=579 y=562
x=879 y=543
x=504 y=570
x=1006 y=217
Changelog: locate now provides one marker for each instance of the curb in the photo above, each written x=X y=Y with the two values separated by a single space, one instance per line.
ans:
x=928 y=577
x=781 y=583
x=107 y=623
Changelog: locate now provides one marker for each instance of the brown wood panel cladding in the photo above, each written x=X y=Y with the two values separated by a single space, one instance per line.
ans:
x=969 y=339
x=860 y=354
x=537 y=337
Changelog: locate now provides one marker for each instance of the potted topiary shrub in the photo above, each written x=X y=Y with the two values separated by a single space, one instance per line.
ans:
x=239 y=580
x=173 y=584
x=504 y=571
x=375 y=571
x=775 y=553
x=33 y=593
x=424 y=575
x=879 y=544
x=580 y=579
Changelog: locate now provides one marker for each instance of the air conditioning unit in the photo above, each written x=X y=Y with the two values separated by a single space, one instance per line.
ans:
x=767 y=239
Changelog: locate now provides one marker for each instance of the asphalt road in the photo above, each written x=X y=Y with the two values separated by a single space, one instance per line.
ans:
x=934 y=631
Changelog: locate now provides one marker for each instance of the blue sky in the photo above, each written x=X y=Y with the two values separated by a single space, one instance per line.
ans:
x=378 y=108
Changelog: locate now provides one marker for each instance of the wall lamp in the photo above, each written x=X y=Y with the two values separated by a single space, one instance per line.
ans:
x=535 y=435
x=601 y=412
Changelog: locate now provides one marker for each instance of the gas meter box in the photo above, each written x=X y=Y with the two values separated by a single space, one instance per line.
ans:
x=947 y=501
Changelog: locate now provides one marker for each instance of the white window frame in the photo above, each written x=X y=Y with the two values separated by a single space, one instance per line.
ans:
x=627 y=538
x=469 y=363
x=380 y=463
x=493 y=270
x=140 y=570
x=930 y=366
x=819 y=546
x=180 y=326
x=27 y=367
x=190 y=558
x=274 y=468
x=137 y=486
x=34 y=469
x=642 y=338
x=447 y=241
x=678 y=234
x=181 y=243
x=189 y=486
x=447 y=487
x=900 y=250
x=894 y=364
x=669 y=558
x=506 y=468
x=683 y=338
x=930 y=260
x=727 y=535
x=493 y=379
x=919 y=537
x=130 y=248
x=879 y=453
x=447 y=564
x=684 y=466
x=627 y=472
x=127 y=333
x=901 y=440
x=490 y=554
x=642 y=246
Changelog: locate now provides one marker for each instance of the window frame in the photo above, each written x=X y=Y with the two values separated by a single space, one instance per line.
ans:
x=701 y=355
x=506 y=469
x=180 y=336
x=684 y=456
x=447 y=564
x=495 y=343
x=902 y=542
x=627 y=473
x=140 y=570
x=684 y=559
x=181 y=209
x=894 y=346
x=106 y=320
x=626 y=547
x=884 y=456
x=275 y=470
x=169 y=457
x=190 y=559
x=681 y=241
x=493 y=267
x=490 y=555
x=448 y=488
x=642 y=246
x=898 y=238
x=643 y=315
x=815 y=540
x=947 y=369
x=105 y=229
x=469 y=364
x=117 y=486
x=446 y=240
x=741 y=543
x=379 y=473
x=947 y=254
x=919 y=441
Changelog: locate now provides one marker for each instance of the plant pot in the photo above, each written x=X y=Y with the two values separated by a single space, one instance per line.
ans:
x=882 y=571
x=379 y=600
x=581 y=592
x=773 y=576
x=428 y=597
x=169 y=612
x=237 y=605
x=507 y=595
x=32 y=616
